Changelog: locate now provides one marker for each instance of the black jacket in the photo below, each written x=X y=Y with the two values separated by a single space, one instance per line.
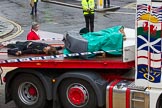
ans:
x=27 y=47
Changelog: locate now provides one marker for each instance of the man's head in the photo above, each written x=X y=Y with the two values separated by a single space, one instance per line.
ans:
x=50 y=50
x=35 y=26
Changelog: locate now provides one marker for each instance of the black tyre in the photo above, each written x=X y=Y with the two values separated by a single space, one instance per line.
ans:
x=28 y=92
x=77 y=93
x=159 y=102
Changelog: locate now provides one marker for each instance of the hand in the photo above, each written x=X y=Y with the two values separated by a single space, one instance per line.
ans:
x=18 y=53
x=122 y=31
x=124 y=38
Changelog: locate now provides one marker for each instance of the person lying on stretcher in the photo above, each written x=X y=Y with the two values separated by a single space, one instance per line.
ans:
x=29 y=47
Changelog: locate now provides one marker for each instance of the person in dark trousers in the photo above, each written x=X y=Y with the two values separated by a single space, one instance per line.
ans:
x=33 y=4
x=88 y=11
x=106 y=2
x=29 y=47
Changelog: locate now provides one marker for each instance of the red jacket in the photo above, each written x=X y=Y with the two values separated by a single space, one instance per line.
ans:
x=32 y=36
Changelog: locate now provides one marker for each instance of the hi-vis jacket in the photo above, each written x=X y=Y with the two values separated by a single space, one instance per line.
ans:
x=88 y=6
x=35 y=0
x=32 y=2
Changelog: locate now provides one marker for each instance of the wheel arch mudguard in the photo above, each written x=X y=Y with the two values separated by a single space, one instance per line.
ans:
x=97 y=83
x=46 y=81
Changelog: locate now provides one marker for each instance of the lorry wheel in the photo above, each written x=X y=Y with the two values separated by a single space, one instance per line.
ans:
x=28 y=92
x=77 y=93
x=159 y=102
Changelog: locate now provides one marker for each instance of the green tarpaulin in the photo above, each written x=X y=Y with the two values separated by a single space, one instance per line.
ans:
x=104 y=40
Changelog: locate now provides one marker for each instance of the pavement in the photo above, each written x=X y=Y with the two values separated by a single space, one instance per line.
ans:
x=7 y=27
x=77 y=4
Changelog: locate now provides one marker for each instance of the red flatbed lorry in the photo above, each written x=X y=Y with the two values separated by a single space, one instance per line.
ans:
x=36 y=76
x=132 y=80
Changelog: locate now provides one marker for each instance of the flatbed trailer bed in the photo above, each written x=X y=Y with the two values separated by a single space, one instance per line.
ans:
x=72 y=63
x=61 y=62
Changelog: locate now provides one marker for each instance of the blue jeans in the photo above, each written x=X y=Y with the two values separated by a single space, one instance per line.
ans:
x=108 y=3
